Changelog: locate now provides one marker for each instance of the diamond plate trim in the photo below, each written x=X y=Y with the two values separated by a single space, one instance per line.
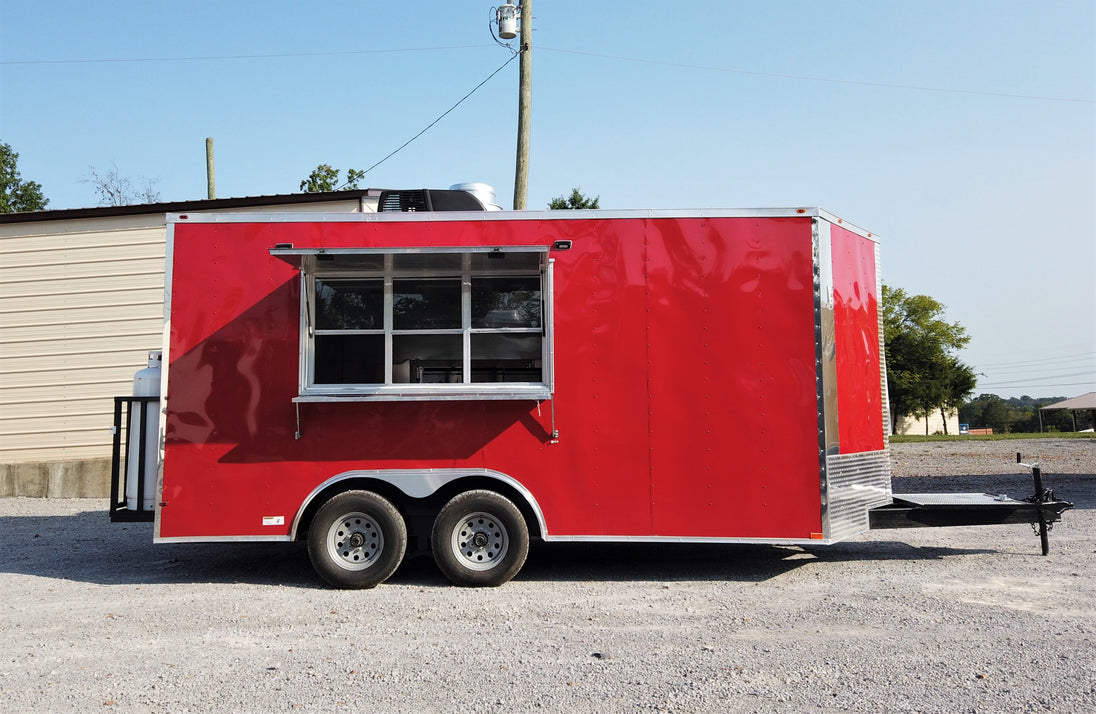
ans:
x=857 y=482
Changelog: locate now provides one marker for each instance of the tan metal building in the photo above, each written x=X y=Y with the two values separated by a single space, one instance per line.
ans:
x=81 y=305
x=915 y=426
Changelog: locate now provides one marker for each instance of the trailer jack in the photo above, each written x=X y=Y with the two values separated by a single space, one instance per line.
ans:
x=1041 y=496
x=932 y=510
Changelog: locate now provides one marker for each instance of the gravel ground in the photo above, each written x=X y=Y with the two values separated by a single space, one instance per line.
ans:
x=94 y=617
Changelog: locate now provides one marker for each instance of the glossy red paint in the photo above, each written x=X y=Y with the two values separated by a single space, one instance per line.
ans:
x=685 y=372
x=733 y=433
x=856 y=320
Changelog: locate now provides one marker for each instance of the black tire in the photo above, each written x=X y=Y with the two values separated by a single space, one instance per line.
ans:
x=357 y=540
x=480 y=539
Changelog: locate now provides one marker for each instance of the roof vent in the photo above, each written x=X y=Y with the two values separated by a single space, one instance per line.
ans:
x=484 y=192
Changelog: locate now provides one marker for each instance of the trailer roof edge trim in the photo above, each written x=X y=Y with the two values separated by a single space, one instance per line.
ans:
x=452 y=216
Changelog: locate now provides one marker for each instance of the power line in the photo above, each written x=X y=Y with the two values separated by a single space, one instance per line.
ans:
x=278 y=55
x=1063 y=358
x=620 y=58
x=461 y=101
x=1034 y=386
x=1047 y=370
x=1038 y=379
x=830 y=80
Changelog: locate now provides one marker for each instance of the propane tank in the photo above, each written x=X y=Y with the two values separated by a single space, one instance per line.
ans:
x=146 y=383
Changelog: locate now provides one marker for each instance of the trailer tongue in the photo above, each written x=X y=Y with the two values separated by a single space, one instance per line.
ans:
x=933 y=510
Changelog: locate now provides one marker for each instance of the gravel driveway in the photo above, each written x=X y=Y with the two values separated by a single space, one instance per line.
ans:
x=95 y=617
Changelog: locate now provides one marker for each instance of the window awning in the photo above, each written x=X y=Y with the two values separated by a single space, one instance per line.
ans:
x=445 y=259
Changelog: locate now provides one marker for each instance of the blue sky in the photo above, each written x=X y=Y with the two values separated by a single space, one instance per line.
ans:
x=963 y=133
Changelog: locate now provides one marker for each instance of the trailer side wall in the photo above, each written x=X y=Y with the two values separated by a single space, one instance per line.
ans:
x=685 y=379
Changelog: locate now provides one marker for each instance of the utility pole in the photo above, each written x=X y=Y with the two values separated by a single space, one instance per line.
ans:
x=211 y=181
x=525 y=100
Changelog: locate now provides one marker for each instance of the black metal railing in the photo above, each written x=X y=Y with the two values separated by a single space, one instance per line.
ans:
x=125 y=465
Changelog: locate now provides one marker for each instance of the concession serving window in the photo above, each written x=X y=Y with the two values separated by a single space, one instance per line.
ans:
x=439 y=323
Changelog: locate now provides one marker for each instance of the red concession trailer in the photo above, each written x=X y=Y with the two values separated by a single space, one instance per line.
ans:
x=459 y=383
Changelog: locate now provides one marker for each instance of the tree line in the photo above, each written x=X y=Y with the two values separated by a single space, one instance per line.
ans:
x=925 y=374
x=1021 y=415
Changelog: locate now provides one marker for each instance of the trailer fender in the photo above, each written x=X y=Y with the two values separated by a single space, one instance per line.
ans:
x=419 y=483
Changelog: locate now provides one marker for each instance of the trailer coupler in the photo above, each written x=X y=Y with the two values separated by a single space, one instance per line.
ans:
x=933 y=510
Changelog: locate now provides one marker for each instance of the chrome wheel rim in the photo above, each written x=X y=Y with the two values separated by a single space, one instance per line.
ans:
x=480 y=541
x=355 y=541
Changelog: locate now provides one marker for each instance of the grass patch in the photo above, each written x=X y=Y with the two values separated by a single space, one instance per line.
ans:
x=915 y=438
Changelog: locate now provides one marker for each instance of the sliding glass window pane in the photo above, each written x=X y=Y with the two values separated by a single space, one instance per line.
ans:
x=510 y=262
x=349 y=359
x=506 y=302
x=426 y=304
x=363 y=263
x=449 y=262
x=506 y=358
x=349 y=304
x=427 y=359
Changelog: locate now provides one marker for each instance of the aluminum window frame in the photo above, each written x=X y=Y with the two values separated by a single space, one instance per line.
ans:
x=323 y=266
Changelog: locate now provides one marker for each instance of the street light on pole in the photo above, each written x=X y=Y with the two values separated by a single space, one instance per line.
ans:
x=508 y=17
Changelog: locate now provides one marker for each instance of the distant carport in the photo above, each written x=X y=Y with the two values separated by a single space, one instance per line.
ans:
x=1083 y=403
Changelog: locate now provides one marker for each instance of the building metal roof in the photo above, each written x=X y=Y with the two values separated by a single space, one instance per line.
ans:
x=1085 y=401
x=183 y=206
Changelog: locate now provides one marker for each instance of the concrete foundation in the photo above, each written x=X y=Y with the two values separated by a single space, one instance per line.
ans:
x=56 y=479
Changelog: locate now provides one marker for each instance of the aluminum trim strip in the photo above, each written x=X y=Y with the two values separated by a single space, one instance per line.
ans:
x=279 y=252
x=165 y=371
x=827 y=342
x=549 y=347
x=451 y=216
x=223 y=539
x=825 y=360
x=882 y=351
x=534 y=394
x=550 y=539
x=420 y=483
x=686 y=539
x=822 y=213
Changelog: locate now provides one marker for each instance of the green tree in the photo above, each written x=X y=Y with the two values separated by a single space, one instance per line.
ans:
x=923 y=373
x=575 y=201
x=959 y=381
x=988 y=410
x=324 y=178
x=17 y=195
